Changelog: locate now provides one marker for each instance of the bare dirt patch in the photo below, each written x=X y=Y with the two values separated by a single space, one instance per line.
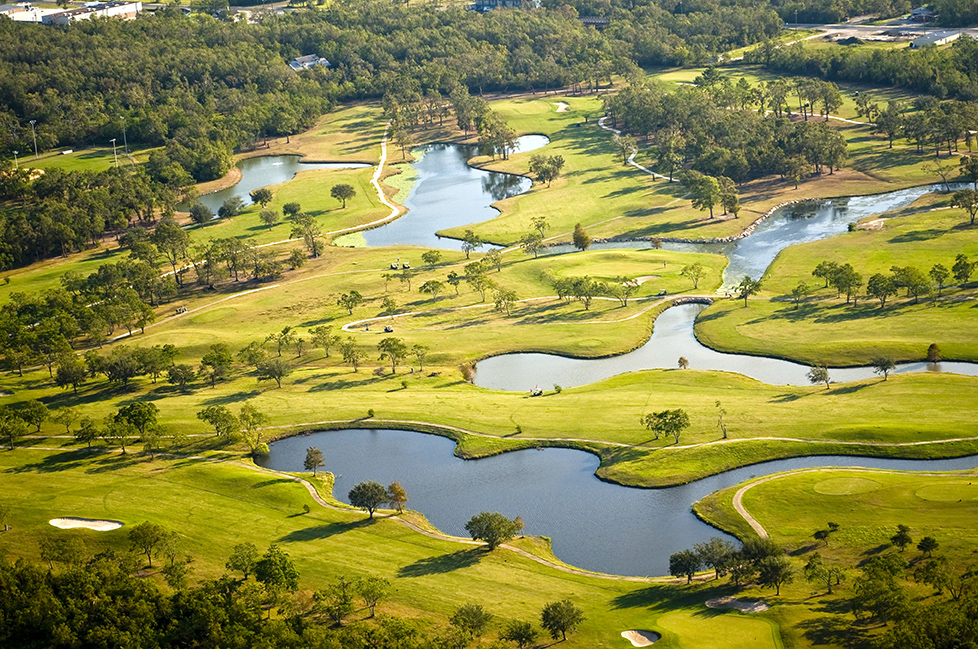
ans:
x=742 y=605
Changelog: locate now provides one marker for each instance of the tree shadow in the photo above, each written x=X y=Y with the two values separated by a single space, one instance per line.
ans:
x=273 y=481
x=236 y=397
x=644 y=597
x=874 y=551
x=56 y=462
x=320 y=532
x=831 y=630
x=442 y=563
x=114 y=462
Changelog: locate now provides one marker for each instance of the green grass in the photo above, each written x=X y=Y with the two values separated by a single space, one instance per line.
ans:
x=825 y=329
x=215 y=505
x=91 y=159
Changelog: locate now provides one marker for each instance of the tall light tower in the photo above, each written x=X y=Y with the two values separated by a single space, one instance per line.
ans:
x=125 y=142
x=114 y=154
x=16 y=166
x=34 y=135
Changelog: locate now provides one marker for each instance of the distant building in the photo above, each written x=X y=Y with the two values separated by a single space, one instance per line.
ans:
x=114 y=9
x=6 y=10
x=922 y=15
x=308 y=61
x=598 y=22
x=937 y=38
x=482 y=6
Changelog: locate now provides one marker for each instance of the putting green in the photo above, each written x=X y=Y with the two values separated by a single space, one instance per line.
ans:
x=720 y=630
x=948 y=492
x=845 y=486
x=213 y=315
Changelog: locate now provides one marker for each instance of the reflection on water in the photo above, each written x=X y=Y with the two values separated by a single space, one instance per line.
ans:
x=593 y=524
x=671 y=338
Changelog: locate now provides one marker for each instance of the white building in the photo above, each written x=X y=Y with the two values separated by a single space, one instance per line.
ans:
x=307 y=61
x=935 y=39
x=114 y=9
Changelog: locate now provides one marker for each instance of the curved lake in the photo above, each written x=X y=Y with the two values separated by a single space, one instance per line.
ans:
x=593 y=524
x=671 y=338
x=264 y=171
x=449 y=193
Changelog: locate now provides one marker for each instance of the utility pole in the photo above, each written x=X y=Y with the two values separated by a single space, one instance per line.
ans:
x=34 y=135
x=15 y=160
x=796 y=17
x=125 y=142
x=114 y=154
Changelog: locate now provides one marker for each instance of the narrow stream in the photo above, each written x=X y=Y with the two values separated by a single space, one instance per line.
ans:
x=593 y=524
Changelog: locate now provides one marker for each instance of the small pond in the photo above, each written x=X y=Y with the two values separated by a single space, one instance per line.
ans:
x=449 y=193
x=671 y=338
x=593 y=524
x=264 y=171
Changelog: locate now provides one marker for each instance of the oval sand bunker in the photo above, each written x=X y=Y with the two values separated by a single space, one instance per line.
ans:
x=640 y=638
x=70 y=523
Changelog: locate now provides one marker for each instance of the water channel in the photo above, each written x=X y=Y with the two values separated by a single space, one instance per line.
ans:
x=264 y=171
x=593 y=524
x=671 y=338
x=449 y=193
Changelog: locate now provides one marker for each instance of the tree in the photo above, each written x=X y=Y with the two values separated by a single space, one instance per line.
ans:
x=305 y=227
x=775 y=572
x=847 y=280
x=141 y=414
x=667 y=422
x=581 y=239
x=683 y=363
x=262 y=196
x=715 y=553
x=216 y=363
x=816 y=571
x=145 y=537
x=172 y=241
x=252 y=420
x=927 y=545
x=819 y=374
x=420 y=352
x=902 y=537
x=350 y=301
x=291 y=209
x=522 y=633
x=243 y=558
x=268 y=218
x=200 y=213
x=684 y=564
x=626 y=146
x=883 y=364
x=431 y=257
x=230 y=208
x=694 y=273
x=276 y=571
x=561 y=618
x=368 y=496
x=432 y=287
x=180 y=375
x=492 y=528
x=343 y=192
x=470 y=241
x=962 y=269
x=371 y=591
x=392 y=349
x=881 y=286
x=967 y=199
x=540 y=224
x=224 y=421
x=968 y=165
x=388 y=307
x=274 y=369
x=939 y=274
x=71 y=372
x=704 y=192
x=12 y=427
x=531 y=243
x=471 y=619
x=505 y=299
x=746 y=288
x=396 y=496
x=323 y=337
x=314 y=460
x=87 y=432
x=933 y=353
x=546 y=168
x=351 y=353
x=800 y=292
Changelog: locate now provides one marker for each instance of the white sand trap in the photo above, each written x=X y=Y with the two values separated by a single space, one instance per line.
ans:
x=562 y=106
x=640 y=638
x=70 y=523
x=644 y=278
x=741 y=605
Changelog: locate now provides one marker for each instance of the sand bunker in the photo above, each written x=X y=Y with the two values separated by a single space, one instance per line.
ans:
x=640 y=638
x=741 y=605
x=562 y=106
x=644 y=278
x=70 y=523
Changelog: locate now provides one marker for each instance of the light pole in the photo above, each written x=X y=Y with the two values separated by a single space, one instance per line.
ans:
x=796 y=17
x=34 y=135
x=125 y=142
x=15 y=160
x=114 y=155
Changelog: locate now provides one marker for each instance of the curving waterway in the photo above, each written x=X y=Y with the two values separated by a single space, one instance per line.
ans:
x=449 y=193
x=671 y=338
x=592 y=524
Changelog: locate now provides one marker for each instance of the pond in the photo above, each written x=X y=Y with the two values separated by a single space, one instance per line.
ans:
x=593 y=524
x=449 y=193
x=264 y=171
x=671 y=338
